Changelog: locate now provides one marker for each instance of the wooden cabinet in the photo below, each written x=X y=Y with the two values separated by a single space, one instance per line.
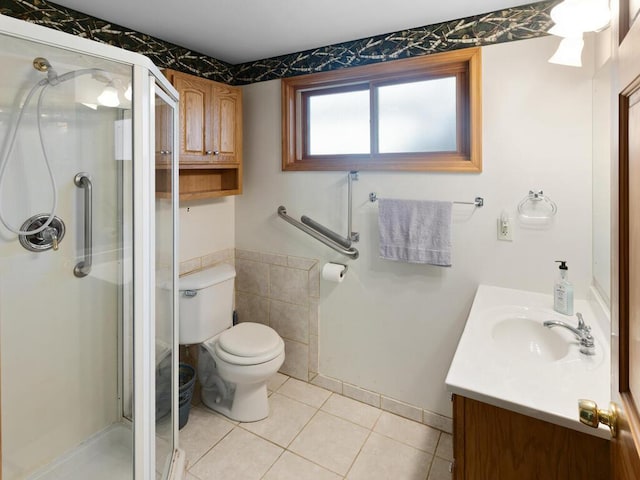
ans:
x=491 y=443
x=210 y=136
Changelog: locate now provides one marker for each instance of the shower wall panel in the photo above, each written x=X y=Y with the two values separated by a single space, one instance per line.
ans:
x=59 y=333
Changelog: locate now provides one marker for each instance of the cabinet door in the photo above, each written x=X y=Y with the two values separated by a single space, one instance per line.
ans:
x=227 y=124
x=195 y=116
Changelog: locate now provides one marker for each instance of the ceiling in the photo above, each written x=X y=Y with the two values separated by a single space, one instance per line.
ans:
x=238 y=31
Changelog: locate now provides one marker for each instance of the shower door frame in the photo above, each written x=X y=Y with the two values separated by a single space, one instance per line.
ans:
x=146 y=77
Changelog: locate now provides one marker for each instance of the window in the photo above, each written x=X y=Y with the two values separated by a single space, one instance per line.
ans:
x=415 y=114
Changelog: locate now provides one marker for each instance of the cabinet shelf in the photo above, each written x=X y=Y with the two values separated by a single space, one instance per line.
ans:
x=200 y=183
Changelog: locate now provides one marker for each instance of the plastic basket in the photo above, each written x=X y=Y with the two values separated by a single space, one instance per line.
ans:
x=186 y=384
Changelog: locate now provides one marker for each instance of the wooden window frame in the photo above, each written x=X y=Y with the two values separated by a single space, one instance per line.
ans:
x=464 y=64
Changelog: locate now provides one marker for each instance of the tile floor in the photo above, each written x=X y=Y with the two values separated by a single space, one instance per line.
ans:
x=314 y=434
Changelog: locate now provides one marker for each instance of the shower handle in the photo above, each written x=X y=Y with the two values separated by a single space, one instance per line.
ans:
x=83 y=180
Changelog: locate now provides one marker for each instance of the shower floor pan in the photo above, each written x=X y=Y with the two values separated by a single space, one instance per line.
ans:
x=106 y=456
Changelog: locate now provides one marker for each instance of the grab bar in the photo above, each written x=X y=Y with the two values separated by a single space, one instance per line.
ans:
x=353 y=236
x=336 y=237
x=329 y=242
x=82 y=269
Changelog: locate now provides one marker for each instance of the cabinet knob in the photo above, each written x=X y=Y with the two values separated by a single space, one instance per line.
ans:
x=212 y=152
x=592 y=416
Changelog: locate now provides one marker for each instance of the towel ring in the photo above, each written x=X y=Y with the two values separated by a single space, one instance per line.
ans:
x=533 y=199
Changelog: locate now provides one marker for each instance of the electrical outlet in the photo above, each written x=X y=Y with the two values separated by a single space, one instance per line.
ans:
x=505 y=228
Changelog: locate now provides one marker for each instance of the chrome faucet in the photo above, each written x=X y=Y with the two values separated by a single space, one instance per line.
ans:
x=582 y=333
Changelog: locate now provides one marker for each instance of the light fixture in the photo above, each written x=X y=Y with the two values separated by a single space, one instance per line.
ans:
x=127 y=92
x=109 y=96
x=569 y=52
x=572 y=19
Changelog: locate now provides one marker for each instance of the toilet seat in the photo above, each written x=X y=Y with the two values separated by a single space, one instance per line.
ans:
x=248 y=344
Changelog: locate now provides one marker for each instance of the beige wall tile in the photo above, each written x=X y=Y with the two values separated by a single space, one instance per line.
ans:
x=362 y=395
x=217 y=257
x=313 y=356
x=252 y=308
x=402 y=409
x=190 y=265
x=329 y=383
x=437 y=421
x=301 y=263
x=248 y=255
x=252 y=277
x=289 y=284
x=313 y=316
x=274 y=259
x=296 y=360
x=289 y=320
x=314 y=282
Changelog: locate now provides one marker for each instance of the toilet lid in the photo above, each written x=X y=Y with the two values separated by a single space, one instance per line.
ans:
x=250 y=340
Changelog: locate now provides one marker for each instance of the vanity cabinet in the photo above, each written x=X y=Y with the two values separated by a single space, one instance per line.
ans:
x=210 y=137
x=491 y=443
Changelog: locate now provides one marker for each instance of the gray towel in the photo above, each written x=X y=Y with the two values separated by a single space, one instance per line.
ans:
x=415 y=231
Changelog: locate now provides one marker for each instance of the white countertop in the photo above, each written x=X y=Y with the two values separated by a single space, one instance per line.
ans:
x=523 y=380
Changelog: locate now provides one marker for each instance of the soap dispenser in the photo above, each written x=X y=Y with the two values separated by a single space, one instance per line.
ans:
x=563 y=291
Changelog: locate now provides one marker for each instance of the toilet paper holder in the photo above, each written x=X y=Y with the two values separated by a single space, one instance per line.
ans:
x=334 y=272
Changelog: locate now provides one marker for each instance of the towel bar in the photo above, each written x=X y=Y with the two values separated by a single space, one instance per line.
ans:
x=478 y=201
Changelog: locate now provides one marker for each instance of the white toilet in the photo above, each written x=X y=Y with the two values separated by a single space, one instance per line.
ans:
x=234 y=362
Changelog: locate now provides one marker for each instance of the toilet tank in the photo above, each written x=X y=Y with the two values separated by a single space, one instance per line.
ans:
x=206 y=303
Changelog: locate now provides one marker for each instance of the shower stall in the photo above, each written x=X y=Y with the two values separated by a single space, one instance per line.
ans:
x=88 y=313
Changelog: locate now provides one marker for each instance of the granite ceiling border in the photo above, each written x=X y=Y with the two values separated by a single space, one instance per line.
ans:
x=510 y=24
x=517 y=23
x=162 y=54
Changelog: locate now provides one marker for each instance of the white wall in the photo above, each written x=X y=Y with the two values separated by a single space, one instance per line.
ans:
x=206 y=226
x=393 y=327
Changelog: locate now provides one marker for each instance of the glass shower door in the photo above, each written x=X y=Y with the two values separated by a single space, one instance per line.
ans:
x=66 y=288
x=165 y=226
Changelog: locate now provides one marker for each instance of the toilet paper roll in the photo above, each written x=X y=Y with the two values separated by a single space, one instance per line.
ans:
x=334 y=272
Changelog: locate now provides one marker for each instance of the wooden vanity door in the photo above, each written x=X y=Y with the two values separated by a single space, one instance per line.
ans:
x=625 y=340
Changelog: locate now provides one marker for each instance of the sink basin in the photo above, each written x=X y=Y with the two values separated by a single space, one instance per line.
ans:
x=525 y=337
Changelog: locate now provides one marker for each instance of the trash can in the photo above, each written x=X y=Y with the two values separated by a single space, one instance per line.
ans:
x=163 y=387
x=186 y=384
